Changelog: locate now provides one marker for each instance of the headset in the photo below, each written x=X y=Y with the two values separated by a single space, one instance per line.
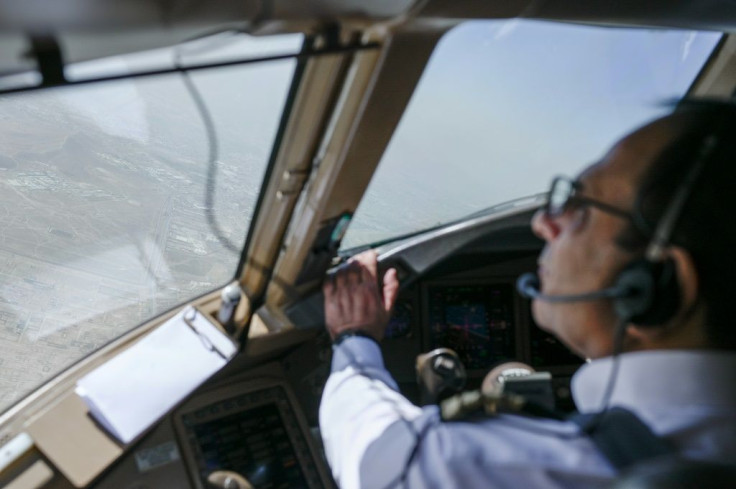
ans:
x=646 y=292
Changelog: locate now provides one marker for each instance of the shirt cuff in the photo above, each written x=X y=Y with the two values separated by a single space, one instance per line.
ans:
x=357 y=351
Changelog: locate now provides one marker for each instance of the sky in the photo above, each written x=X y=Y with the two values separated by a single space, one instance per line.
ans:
x=505 y=105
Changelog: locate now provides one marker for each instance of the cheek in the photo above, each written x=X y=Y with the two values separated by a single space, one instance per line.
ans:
x=574 y=267
x=581 y=264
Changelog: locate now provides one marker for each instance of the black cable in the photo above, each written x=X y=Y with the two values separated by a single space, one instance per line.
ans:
x=618 y=346
x=618 y=343
x=212 y=159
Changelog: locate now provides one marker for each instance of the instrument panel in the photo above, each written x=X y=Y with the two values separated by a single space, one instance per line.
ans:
x=478 y=314
x=253 y=429
x=477 y=321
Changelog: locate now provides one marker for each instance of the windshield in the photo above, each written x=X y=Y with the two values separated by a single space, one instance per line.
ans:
x=503 y=106
x=105 y=195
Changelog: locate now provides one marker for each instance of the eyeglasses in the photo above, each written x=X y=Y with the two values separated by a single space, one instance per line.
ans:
x=563 y=196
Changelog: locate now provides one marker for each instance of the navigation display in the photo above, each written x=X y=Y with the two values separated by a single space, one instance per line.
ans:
x=252 y=443
x=477 y=321
x=259 y=440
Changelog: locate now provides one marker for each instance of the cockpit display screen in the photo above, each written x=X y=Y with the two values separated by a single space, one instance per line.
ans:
x=260 y=442
x=477 y=321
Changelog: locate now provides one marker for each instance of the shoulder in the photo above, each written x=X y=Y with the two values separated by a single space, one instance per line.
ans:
x=506 y=451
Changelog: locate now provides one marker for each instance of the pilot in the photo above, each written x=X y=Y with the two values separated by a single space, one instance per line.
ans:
x=637 y=275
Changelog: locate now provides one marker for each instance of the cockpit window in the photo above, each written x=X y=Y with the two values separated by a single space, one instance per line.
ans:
x=503 y=106
x=104 y=198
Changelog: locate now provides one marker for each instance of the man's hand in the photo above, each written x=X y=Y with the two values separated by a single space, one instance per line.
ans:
x=354 y=301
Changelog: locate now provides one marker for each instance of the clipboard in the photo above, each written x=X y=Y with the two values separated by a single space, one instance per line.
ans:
x=132 y=391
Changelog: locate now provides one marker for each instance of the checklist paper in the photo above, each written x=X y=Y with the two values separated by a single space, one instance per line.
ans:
x=132 y=391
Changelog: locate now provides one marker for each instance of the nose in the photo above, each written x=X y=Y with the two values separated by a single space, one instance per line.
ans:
x=545 y=226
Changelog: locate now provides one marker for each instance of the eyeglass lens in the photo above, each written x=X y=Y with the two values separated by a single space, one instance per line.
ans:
x=559 y=196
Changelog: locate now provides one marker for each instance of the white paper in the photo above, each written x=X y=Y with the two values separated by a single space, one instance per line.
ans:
x=132 y=391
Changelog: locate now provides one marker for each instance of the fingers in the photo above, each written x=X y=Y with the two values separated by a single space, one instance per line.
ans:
x=347 y=288
x=359 y=292
x=354 y=300
x=390 y=289
x=369 y=268
x=332 y=304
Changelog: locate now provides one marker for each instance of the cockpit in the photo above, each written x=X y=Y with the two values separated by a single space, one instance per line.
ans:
x=177 y=180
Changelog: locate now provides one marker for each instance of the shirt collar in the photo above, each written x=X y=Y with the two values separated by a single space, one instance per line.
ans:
x=704 y=378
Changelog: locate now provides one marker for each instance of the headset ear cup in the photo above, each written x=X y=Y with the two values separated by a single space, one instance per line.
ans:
x=653 y=293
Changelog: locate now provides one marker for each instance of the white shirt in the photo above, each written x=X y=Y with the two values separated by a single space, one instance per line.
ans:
x=374 y=437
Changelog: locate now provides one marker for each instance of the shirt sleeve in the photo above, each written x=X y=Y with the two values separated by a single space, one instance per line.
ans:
x=360 y=401
x=376 y=438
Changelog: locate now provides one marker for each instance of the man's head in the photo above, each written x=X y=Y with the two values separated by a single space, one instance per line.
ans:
x=588 y=246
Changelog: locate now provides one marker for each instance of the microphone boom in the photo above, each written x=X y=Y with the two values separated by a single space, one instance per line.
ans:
x=528 y=286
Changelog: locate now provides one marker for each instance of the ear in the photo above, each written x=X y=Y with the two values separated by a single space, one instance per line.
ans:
x=689 y=332
x=687 y=277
